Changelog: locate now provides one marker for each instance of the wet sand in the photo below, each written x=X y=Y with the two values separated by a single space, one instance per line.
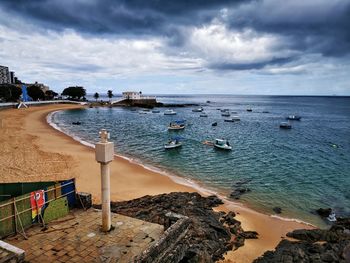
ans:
x=31 y=150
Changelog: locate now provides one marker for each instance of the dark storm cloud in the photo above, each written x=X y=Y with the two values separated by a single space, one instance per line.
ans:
x=121 y=17
x=250 y=66
x=305 y=26
x=310 y=26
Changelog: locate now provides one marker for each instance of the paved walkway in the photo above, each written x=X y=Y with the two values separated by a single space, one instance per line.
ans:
x=76 y=238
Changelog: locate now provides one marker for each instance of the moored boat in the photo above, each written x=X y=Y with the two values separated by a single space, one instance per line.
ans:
x=173 y=143
x=203 y=115
x=249 y=109
x=198 y=109
x=225 y=114
x=155 y=111
x=169 y=112
x=177 y=125
x=214 y=124
x=285 y=125
x=294 y=118
x=222 y=144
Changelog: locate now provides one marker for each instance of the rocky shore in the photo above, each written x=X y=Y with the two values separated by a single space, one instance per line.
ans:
x=316 y=245
x=211 y=234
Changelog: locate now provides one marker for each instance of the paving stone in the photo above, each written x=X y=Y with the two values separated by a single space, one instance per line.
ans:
x=69 y=241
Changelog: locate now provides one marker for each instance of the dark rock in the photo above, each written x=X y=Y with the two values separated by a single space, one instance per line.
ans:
x=236 y=194
x=250 y=234
x=324 y=212
x=334 y=245
x=229 y=218
x=210 y=233
x=277 y=210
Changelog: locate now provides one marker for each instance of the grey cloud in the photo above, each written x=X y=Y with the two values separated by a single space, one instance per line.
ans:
x=309 y=27
x=121 y=17
x=251 y=66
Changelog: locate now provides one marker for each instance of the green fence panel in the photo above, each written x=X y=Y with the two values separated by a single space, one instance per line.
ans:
x=56 y=209
x=7 y=226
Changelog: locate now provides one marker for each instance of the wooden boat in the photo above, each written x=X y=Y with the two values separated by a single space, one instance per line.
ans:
x=175 y=126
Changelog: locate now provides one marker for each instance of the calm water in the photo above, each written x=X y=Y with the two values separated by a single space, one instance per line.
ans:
x=298 y=170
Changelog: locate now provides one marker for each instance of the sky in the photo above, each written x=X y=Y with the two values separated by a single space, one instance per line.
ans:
x=262 y=47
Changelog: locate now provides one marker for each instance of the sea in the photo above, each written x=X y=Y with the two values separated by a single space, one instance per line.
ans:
x=298 y=170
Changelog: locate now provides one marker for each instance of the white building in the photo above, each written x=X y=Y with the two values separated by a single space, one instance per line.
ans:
x=132 y=95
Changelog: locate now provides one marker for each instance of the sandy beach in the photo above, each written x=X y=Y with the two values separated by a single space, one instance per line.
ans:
x=31 y=150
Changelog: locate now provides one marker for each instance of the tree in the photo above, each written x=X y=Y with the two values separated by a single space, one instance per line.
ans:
x=50 y=94
x=96 y=96
x=35 y=92
x=110 y=95
x=9 y=92
x=76 y=92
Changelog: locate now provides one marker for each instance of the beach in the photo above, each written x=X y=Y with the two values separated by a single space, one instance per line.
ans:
x=31 y=150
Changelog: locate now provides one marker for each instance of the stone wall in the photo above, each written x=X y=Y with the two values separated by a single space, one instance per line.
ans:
x=170 y=248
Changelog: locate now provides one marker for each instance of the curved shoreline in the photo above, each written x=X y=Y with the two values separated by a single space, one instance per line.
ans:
x=130 y=180
x=177 y=179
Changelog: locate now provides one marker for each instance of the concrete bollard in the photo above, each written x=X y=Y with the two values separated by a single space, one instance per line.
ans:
x=104 y=153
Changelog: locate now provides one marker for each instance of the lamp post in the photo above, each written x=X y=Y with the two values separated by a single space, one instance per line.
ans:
x=104 y=153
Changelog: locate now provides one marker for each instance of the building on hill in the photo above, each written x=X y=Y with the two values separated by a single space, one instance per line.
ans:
x=5 y=76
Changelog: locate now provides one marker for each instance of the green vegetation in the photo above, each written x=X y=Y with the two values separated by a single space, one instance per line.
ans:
x=74 y=93
x=110 y=95
x=96 y=96
x=35 y=92
x=9 y=92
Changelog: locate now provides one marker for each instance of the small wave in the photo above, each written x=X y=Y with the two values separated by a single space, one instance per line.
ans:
x=51 y=122
x=292 y=220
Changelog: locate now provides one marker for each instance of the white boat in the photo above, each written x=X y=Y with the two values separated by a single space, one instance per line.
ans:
x=203 y=115
x=294 y=118
x=176 y=126
x=225 y=114
x=236 y=118
x=173 y=144
x=198 y=109
x=169 y=112
x=229 y=120
x=222 y=144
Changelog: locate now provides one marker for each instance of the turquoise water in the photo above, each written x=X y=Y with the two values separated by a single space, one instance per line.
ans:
x=298 y=170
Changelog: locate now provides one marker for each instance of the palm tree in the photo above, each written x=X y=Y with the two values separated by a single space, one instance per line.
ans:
x=110 y=95
x=96 y=96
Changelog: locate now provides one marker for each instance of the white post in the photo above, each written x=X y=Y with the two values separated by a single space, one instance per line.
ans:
x=104 y=153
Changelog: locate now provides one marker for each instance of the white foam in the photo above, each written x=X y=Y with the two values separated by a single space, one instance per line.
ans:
x=292 y=220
